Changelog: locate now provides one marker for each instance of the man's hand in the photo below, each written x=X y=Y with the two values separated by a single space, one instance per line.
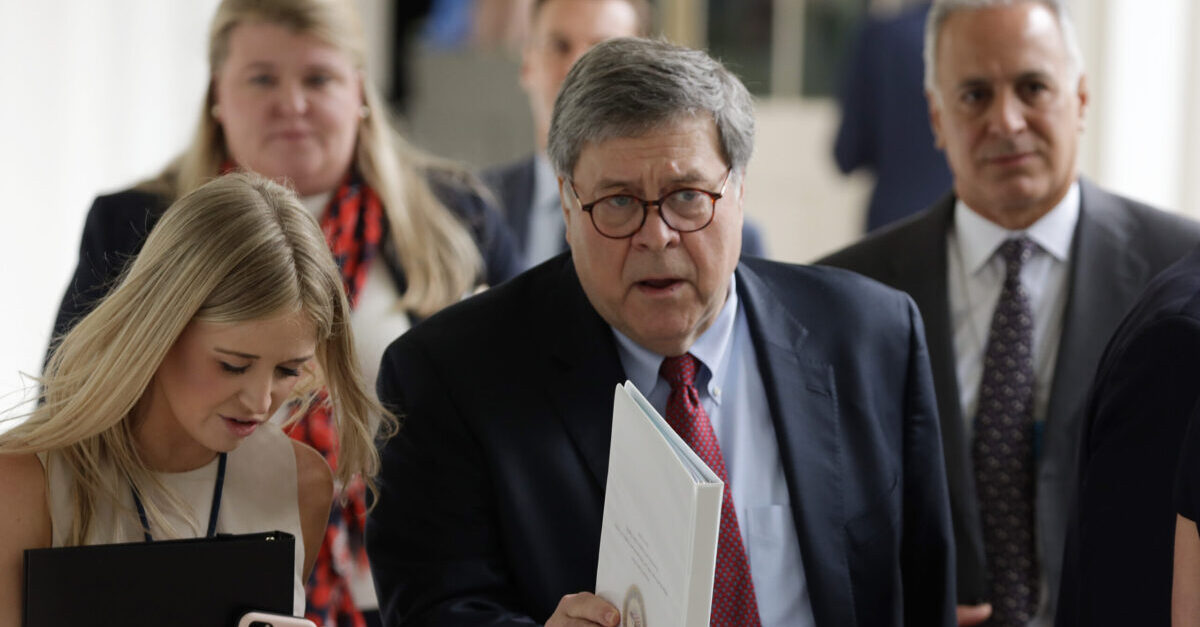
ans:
x=585 y=609
x=971 y=614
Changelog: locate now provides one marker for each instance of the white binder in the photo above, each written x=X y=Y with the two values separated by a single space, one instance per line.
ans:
x=662 y=516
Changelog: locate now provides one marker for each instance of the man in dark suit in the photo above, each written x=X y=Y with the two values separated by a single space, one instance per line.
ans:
x=1021 y=275
x=885 y=124
x=1121 y=542
x=560 y=31
x=813 y=383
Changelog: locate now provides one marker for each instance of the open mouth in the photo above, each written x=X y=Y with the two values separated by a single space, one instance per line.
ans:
x=239 y=427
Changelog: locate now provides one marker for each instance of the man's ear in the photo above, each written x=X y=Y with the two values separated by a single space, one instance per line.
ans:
x=565 y=203
x=741 y=194
x=1082 y=93
x=935 y=119
x=526 y=64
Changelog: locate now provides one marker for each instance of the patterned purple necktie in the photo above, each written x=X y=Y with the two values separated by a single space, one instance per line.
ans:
x=1003 y=448
x=733 y=602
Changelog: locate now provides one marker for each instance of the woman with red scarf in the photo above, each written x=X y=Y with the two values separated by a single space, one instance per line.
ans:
x=289 y=98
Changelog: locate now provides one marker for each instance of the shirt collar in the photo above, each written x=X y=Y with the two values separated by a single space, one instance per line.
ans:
x=978 y=237
x=711 y=348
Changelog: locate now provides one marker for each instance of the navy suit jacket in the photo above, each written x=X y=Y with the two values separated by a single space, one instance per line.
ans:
x=513 y=185
x=492 y=494
x=1118 y=246
x=117 y=226
x=885 y=119
x=1121 y=543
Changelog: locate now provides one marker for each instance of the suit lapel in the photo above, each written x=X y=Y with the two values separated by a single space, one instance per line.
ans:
x=586 y=369
x=1106 y=273
x=801 y=398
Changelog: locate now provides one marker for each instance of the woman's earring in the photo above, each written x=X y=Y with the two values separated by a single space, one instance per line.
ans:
x=364 y=112
x=215 y=111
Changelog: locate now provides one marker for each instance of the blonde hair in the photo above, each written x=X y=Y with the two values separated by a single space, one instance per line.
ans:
x=237 y=249
x=440 y=259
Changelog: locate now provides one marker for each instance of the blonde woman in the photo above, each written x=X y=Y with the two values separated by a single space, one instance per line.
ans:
x=289 y=98
x=233 y=307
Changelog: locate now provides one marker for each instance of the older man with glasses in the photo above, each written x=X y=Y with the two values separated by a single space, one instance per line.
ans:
x=807 y=389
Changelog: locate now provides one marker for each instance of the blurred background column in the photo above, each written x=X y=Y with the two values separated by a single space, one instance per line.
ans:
x=1143 y=69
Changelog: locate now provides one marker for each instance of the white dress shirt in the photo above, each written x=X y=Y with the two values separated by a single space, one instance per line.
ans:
x=733 y=396
x=975 y=277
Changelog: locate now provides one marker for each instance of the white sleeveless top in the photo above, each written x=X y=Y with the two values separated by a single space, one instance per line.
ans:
x=259 y=494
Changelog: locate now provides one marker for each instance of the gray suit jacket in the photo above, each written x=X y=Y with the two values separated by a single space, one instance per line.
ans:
x=1119 y=245
x=513 y=185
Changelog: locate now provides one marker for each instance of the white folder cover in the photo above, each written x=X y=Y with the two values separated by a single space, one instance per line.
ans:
x=662 y=515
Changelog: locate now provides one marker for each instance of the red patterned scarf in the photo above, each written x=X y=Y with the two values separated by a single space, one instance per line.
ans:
x=353 y=227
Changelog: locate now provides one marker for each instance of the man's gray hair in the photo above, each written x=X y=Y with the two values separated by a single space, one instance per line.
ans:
x=626 y=87
x=943 y=9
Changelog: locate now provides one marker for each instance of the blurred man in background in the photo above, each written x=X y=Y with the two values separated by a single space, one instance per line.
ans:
x=560 y=32
x=885 y=121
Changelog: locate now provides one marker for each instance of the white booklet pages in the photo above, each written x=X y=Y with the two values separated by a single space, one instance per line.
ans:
x=662 y=515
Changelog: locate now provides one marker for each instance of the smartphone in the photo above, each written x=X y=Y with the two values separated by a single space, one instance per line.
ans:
x=266 y=619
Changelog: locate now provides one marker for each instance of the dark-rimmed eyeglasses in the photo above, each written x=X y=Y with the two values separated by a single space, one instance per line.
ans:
x=621 y=215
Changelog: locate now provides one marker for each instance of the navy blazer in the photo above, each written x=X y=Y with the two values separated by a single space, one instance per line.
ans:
x=492 y=495
x=1120 y=546
x=513 y=186
x=1118 y=246
x=117 y=226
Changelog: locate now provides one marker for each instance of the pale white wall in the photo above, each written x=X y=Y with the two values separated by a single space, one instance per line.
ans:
x=793 y=189
x=96 y=95
x=1191 y=130
x=1146 y=61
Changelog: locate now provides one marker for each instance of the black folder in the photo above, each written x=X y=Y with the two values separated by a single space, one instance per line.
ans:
x=202 y=582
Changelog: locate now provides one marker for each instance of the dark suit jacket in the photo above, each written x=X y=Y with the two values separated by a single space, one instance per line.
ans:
x=885 y=119
x=513 y=185
x=1146 y=392
x=492 y=495
x=117 y=226
x=1118 y=246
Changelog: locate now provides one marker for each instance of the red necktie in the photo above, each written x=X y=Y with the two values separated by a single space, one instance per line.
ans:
x=733 y=602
